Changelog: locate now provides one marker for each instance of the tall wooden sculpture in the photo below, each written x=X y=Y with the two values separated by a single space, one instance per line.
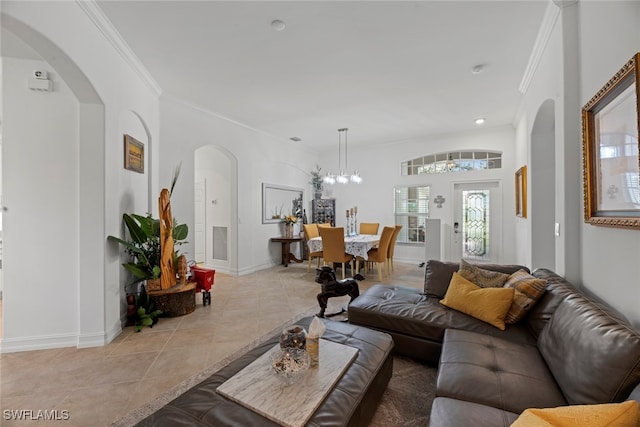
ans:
x=167 y=269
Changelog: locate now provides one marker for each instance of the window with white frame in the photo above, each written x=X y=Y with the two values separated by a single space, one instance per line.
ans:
x=411 y=209
x=454 y=161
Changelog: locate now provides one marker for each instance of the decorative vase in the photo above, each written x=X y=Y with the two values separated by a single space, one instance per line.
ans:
x=294 y=336
x=288 y=231
x=317 y=194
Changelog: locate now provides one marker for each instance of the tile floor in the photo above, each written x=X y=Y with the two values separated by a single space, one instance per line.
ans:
x=99 y=385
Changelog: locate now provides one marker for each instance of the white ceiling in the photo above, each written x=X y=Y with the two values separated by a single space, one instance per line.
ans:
x=387 y=70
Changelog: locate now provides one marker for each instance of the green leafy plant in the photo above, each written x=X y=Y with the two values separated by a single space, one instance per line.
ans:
x=146 y=314
x=144 y=245
x=316 y=179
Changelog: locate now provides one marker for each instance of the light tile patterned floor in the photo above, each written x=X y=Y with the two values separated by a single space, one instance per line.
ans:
x=99 y=385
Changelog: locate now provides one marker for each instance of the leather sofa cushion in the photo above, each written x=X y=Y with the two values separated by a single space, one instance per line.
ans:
x=557 y=289
x=594 y=356
x=404 y=310
x=495 y=372
x=447 y=412
x=437 y=275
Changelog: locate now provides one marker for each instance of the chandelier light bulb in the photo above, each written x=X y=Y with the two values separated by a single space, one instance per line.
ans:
x=342 y=178
x=356 y=178
x=329 y=179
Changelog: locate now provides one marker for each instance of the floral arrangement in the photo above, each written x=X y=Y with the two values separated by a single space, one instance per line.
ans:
x=290 y=219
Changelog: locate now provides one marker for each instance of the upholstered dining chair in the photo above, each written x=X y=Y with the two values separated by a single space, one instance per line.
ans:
x=369 y=227
x=311 y=231
x=324 y=224
x=379 y=254
x=392 y=247
x=333 y=247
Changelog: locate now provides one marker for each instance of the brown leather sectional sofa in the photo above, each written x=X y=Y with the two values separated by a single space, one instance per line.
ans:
x=571 y=348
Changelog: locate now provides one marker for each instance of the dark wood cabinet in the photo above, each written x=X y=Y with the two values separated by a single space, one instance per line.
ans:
x=323 y=210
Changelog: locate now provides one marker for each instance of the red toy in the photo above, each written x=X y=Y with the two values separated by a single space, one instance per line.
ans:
x=204 y=281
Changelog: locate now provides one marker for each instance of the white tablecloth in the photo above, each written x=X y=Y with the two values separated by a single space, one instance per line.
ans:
x=355 y=245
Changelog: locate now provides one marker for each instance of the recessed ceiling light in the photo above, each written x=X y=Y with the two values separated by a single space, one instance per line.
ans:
x=477 y=69
x=278 y=25
x=479 y=121
x=295 y=138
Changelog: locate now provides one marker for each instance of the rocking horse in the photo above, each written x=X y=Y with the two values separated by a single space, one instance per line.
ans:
x=334 y=288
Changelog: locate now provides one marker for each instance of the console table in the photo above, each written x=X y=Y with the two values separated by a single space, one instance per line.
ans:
x=286 y=242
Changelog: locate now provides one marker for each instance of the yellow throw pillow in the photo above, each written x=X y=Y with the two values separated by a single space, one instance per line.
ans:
x=487 y=304
x=606 y=414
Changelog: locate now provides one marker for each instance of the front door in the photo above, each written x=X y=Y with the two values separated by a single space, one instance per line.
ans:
x=477 y=221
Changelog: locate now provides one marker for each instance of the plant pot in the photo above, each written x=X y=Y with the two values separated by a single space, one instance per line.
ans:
x=288 y=231
x=153 y=285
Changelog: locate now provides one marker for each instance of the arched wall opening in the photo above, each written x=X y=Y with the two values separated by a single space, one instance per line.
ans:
x=54 y=192
x=542 y=182
x=215 y=231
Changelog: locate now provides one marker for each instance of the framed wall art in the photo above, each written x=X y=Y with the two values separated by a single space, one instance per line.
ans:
x=133 y=154
x=521 y=192
x=610 y=157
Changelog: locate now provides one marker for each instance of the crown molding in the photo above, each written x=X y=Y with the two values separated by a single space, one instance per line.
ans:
x=97 y=16
x=544 y=34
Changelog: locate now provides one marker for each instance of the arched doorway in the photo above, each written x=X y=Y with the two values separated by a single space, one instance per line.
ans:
x=69 y=140
x=216 y=209
x=542 y=180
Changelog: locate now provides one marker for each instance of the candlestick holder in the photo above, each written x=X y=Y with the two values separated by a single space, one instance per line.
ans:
x=355 y=224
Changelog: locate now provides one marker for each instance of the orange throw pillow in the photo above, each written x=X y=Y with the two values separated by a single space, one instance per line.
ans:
x=602 y=415
x=487 y=304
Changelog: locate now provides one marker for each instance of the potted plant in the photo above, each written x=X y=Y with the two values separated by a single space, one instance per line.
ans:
x=317 y=183
x=144 y=245
x=144 y=249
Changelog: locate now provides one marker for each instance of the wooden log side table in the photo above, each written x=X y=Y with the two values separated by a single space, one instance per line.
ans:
x=286 y=242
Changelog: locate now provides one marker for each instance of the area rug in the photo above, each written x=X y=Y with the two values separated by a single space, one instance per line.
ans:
x=405 y=403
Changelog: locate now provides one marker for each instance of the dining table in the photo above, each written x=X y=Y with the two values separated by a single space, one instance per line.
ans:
x=357 y=245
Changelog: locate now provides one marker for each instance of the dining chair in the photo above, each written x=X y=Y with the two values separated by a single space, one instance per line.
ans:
x=311 y=231
x=379 y=254
x=392 y=247
x=324 y=224
x=369 y=227
x=333 y=247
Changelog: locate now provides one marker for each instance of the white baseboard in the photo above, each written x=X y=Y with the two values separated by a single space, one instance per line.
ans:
x=43 y=342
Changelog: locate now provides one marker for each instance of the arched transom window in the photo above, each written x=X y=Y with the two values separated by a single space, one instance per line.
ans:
x=455 y=161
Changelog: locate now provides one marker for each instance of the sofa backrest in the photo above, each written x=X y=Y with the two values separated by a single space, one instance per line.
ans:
x=593 y=355
x=557 y=290
x=437 y=275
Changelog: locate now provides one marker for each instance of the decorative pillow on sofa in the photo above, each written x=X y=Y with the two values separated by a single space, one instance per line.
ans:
x=606 y=414
x=482 y=277
x=528 y=290
x=487 y=304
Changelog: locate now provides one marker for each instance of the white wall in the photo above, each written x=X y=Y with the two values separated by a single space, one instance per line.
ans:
x=260 y=158
x=41 y=251
x=380 y=168
x=68 y=184
x=589 y=42
x=609 y=37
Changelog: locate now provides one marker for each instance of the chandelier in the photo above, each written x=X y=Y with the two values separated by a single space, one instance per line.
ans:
x=342 y=177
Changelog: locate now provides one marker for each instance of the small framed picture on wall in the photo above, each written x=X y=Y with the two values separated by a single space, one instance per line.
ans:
x=521 y=192
x=133 y=154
